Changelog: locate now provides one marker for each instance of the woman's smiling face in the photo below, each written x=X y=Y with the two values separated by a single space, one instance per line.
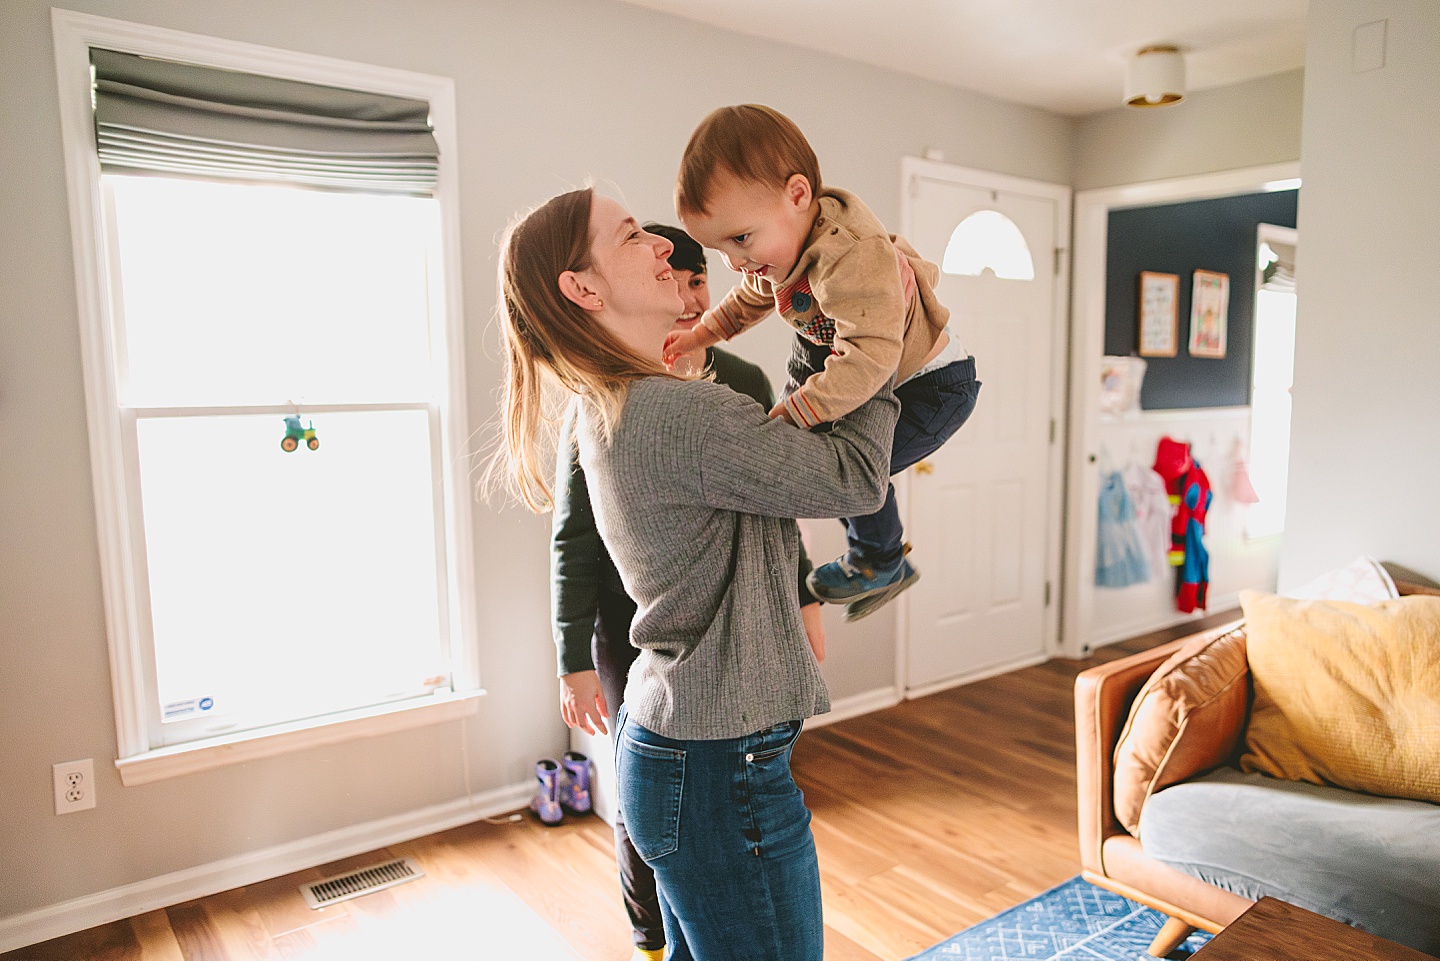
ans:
x=629 y=286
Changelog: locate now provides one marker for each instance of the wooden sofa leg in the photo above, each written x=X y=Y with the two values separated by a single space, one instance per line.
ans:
x=1171 y=935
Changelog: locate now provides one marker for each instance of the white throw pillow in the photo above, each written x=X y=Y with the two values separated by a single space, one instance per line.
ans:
x=1362 y=581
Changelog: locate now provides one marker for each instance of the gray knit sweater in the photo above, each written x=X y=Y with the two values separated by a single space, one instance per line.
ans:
x=695 y=496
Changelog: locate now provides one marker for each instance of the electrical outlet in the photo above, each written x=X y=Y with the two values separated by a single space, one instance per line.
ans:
x=74 y=786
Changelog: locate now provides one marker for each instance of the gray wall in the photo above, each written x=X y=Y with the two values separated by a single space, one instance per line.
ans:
x=549 y=91
x=1364 y=455
x=1245 y=125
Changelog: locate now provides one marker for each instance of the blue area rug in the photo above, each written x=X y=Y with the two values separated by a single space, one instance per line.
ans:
x=1074 y=921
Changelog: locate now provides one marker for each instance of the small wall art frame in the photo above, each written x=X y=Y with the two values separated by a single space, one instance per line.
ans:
x=1159 y=314
x=1209 y=314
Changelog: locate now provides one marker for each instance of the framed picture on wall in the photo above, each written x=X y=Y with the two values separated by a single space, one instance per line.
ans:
x=1159 y=314
x=1209 y=314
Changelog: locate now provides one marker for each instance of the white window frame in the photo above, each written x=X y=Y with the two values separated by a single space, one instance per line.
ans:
x=115 y=481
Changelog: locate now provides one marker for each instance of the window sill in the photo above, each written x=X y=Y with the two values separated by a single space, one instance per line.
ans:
x=180 y=759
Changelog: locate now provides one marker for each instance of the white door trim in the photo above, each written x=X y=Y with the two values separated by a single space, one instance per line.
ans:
x=916 y=167
x=1092 y=211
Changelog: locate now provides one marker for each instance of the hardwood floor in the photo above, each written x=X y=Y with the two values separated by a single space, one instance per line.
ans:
x=929 y=817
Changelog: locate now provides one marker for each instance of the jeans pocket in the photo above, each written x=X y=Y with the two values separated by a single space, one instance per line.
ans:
x=650 y=780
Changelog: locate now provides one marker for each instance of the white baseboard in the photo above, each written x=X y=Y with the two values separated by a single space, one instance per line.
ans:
x=855 y=705
x=1126 y=632
x=935 y=687
x=103 y=907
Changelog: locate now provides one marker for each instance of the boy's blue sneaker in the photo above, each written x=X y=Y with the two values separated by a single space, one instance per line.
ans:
x=875 y=600
x=575 y=784
x=841 y=582
x=546 y=802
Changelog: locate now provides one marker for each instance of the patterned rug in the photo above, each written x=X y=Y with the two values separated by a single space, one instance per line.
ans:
x=1074 y=921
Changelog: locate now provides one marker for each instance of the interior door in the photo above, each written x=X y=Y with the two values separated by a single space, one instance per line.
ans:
x=979 y=510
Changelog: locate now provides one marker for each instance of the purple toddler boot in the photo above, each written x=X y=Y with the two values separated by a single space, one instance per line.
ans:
x=546 y=802
x=575 y=786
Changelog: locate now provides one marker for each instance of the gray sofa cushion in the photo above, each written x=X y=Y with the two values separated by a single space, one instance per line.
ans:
x=1368 y=861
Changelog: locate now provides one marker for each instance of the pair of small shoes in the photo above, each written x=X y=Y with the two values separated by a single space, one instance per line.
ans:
x=561 y=786
x=863 y=590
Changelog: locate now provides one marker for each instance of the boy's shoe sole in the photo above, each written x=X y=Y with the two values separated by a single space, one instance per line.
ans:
x=872 y=602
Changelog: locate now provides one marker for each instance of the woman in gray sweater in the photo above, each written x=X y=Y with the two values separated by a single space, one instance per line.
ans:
x=694 y=490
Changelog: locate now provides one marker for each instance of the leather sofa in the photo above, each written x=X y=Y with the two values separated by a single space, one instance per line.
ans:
x=1112 y=858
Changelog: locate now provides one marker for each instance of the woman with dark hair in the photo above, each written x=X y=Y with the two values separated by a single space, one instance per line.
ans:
x=695 y=490
x=590 y=611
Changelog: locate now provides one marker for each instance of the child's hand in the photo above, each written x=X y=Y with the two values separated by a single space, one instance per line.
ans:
x=781 y=412
x=683 y=342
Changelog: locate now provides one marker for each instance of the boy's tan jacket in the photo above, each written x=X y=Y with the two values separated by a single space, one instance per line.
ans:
x=856 y=287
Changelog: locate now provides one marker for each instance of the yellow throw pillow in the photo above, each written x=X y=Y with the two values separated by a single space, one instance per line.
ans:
x=1345 y=694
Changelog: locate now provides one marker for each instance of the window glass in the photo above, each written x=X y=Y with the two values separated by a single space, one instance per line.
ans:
x=988 y=240
x=248 y=294
x=290 y=584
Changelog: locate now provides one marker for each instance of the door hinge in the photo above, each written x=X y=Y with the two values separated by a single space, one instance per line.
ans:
x=1052 y=430
x=1059 y=251
x=1047 y=593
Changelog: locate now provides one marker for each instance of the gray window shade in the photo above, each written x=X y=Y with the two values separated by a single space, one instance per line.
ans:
x=174 y=118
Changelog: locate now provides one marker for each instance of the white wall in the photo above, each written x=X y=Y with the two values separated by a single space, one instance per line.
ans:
x=549 y=91
x=1244 y=125
x=1364 y=456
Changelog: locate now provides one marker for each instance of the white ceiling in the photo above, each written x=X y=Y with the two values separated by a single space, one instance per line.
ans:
x=1067 y=56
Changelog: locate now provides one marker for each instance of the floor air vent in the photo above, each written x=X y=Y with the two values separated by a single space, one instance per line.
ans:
x=323 y=893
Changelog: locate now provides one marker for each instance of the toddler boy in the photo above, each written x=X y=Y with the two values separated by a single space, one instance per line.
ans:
x=862 y=303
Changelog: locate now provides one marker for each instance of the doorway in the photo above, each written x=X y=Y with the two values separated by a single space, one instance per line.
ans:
x=983 y=513
x=1087 y=432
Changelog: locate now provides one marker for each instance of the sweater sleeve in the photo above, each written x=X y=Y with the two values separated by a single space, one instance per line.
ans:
x=575 y=564
x=751 y=381
x=863 y=293
x=755 y=464
x=748 y=303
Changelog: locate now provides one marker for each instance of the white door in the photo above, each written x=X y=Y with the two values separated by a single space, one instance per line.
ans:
x=983 y=511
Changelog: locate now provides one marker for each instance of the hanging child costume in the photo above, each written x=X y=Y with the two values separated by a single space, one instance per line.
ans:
x=1119 y=556
x=1190 y=496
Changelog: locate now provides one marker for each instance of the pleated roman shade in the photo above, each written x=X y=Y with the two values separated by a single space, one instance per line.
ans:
x=174 y=118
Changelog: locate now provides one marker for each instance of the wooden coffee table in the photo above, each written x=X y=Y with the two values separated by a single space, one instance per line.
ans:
x=1275 y=930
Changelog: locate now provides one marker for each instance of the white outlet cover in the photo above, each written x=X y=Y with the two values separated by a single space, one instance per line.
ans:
x=74 y=786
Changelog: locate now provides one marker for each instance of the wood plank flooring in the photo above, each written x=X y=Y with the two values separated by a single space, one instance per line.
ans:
x=929 y=817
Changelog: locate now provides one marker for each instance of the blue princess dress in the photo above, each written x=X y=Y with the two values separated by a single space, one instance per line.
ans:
x=1120 y=554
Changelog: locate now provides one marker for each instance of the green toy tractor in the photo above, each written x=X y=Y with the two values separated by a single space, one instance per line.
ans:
x=294 y=434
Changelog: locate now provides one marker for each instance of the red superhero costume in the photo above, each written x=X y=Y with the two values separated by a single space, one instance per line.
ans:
x=1190 y=498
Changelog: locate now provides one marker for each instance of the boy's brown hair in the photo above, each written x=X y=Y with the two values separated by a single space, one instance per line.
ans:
x=753 y=142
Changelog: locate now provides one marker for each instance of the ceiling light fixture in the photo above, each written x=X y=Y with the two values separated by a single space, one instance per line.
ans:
x=1155 y=77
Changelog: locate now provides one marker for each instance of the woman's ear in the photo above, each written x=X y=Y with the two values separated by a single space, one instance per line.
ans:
x=799 y=191
x=578 y=290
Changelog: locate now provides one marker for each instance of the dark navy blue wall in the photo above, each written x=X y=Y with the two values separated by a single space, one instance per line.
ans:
x=1180 y=239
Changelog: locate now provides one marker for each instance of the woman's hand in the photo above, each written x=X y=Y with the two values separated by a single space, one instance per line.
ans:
x=814 y=630
x=582 y=701
x=682 y=342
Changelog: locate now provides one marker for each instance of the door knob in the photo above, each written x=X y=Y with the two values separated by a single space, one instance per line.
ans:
x=924 y=467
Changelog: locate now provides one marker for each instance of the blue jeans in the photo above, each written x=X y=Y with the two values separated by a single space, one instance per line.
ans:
x=727 y=834
x=932 y=409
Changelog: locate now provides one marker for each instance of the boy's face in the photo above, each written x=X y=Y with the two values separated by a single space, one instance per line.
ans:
x=761 y=229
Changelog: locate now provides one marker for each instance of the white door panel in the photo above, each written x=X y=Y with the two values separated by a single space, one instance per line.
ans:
x=978 y=516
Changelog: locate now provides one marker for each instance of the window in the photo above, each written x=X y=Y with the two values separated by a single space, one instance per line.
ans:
x=275 y=399
x=1273 y=376
x=988 y=240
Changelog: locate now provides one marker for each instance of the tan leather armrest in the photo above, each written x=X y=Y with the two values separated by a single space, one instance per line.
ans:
x=1102 y=702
